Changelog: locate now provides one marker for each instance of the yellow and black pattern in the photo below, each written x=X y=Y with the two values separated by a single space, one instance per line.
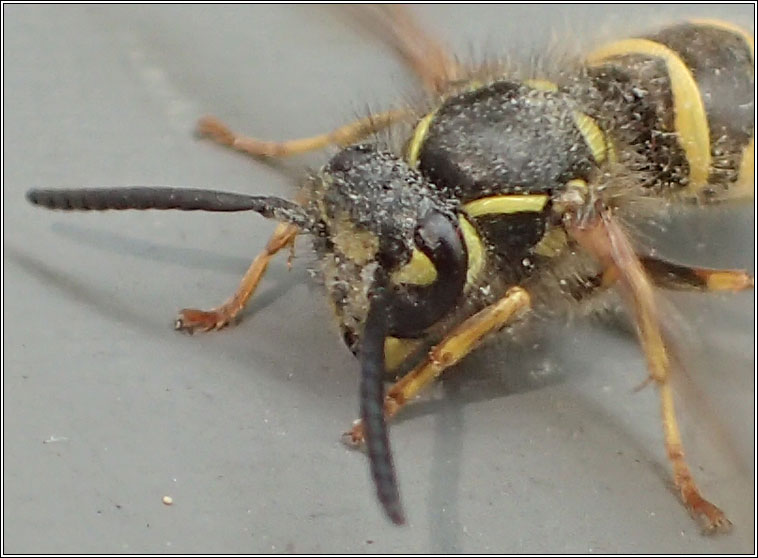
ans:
x=676 y=105
x=691 y=88
x=504 y=201
x=501 y=150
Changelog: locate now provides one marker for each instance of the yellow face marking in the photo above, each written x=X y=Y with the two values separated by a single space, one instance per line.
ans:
x=419 y=135
x=475 y=248
x=418 y=271
x=541 y=84
x=515 y=203
x=593 y=136
x=745 y=185
x=726 y=26
x=690 y=120
x=359 y=246
x=397 y=350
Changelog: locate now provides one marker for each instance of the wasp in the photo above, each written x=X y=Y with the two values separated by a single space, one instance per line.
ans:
x=501 y=197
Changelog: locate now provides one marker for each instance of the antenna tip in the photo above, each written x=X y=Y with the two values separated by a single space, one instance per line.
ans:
x=395 y=513
x=32 y=196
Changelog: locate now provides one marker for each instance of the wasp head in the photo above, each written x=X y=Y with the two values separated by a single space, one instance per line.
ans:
x=384 y=225
x=394 y=261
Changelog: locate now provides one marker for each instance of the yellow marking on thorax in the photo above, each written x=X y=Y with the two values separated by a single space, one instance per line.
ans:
x=552 y=243
x=476 y=251
x=577 y=183
x=732 y=28
x=541 y=84
x=419 y=135
x=513 y=203
x=418 y=271
x=690 y=120
x=573 y=194
x=396 y=350
x=593 y=136
x=474 y=84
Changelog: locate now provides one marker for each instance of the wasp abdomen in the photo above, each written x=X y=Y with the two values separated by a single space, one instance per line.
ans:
x=683 y=98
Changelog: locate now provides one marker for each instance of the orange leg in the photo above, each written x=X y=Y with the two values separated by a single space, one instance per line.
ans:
x=678 y=277
x=426 y=57
x=675 y=277
x=216 y=130
x=193 y=320
x=604 y=239
x=454 y=347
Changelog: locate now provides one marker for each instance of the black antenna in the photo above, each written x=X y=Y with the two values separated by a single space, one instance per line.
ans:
x=372 y=406
x=182 y=199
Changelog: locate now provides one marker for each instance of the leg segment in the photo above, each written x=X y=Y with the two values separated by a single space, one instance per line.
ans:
x=675 y=277
x=458 y=343
x=355 y=131
x=192 y=320
x=678 y=277
x=603 y=238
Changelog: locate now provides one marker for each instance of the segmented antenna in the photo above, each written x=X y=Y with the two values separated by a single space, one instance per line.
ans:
x=372 y=407
x=182 y=199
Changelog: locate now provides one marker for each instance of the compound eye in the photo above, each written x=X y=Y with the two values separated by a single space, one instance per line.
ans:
x=440 y=239
x=431 y=282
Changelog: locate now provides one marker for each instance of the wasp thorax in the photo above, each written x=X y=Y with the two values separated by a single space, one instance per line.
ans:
x=380 y=217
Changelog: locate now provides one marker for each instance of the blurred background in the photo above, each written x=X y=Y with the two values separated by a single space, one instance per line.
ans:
x=531 y=448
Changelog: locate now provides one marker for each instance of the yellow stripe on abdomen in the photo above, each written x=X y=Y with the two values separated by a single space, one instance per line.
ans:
x=690 y=119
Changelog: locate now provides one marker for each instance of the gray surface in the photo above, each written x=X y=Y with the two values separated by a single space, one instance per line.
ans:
x=106 y=409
